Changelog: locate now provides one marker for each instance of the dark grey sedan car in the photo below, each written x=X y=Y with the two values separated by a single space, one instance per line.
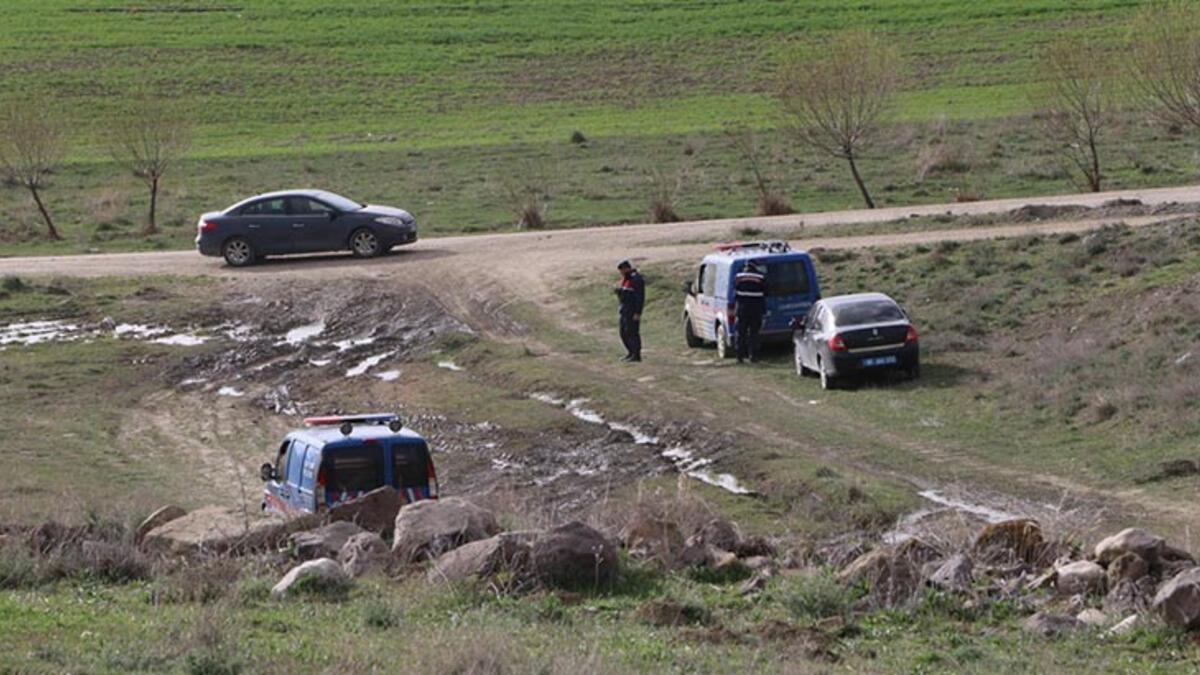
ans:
x=848 y=335
x=301 y=221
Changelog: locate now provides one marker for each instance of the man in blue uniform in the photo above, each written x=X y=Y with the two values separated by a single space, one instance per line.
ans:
x=631 y=296
x=750 y=296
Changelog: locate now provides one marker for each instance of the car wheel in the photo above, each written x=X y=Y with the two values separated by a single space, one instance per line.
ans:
x=724 y=349
x=827 y=380
x=238 y=252
x=689 y=335
x=365 y=244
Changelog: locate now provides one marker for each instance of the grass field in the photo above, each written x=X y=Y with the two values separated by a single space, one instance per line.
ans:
x=428 y=106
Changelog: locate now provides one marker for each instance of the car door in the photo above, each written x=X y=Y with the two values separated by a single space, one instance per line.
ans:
x=314 y=225
x=289 y=479
x=812 y=335
x=306 y=499
x=267 y=225
x=713 y=306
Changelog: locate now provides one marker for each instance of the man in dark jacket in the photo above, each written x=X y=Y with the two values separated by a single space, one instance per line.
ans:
x=750 y=296
x=631 y=296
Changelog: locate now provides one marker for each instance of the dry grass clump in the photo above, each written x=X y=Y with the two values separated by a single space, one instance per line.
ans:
x=102 y=551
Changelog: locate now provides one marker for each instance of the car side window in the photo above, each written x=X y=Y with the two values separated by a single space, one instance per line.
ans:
x=303 y=206
x=710 y=279
x=700 y=280
x=281 y=460
x=266 y=207
x=296 y=462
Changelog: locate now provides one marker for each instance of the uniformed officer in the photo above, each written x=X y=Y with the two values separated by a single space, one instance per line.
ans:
x=631 y=296
x=750 y=296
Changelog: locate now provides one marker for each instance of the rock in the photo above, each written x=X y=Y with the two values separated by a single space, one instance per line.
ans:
x=1048 y=624
x=429 y=528
x=1125 y=626
x=1129 y=596
x=1092 y=618
x=1019 y=539
x=1082 y=576
x=1178 y=601
x=1172 y=561
x=756 y=546
x=364 y=553
x=695 y=555
x=322 y=573
x=761 y=564
x=1131 y=540
x=508 y=552
x=917 y=552
x=722 y=534
x=1128 y=566
x=324 y=542
x=160 y=517
x=953 y=574
x=839 y=555
x=721 y=560
x=652 y=538
x=754 y=585
x=669 y=613
x=891 y=578
x=619 y=437
x=375 y=511
x=573 y=555
x=216 y=529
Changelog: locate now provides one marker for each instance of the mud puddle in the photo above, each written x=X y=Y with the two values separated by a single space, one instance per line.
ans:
x=950 y=510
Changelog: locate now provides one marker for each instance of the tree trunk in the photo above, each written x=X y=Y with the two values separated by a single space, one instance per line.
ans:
x=1095 y=177
x=859 y=181
x=51 y=231
x=151 y=223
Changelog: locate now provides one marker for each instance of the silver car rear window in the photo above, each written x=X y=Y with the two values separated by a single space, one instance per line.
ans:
x=867 y=311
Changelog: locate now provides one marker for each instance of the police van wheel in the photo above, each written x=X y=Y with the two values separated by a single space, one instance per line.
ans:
x=724 y=349
x=689 y=335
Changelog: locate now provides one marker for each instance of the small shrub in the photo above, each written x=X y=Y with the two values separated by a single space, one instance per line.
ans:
x=212 y=662
x=773 y=205
x=18 y=568
x=380 y=614
x=13 y=284
x=662 y=211
x=817 y=597
x=578 y=138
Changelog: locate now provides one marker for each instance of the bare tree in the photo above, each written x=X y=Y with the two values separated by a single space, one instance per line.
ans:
x=1076 y=101
x=836 y=95
x=527 y=189
x=746 y=143
x=148 y=139
x=1164 y=59
x=666 y=180
x=32 y=146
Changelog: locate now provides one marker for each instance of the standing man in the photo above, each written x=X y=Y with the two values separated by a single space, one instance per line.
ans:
x=631 y=296
x=750 y=296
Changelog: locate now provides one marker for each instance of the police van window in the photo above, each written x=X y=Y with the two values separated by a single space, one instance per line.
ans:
x=410 y=465
x=787 y=278
x=281 y=460
x=295 y=462
x=710 y=279
x=700 y=280
x=354 y=469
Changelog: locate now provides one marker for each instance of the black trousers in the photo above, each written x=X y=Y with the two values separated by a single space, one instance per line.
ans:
x=749 y=323
x=631 y=335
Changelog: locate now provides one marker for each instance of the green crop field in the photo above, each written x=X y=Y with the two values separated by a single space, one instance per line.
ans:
x=428 y=105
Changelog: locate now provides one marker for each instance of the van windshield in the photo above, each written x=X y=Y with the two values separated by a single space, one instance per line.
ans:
x=787 y=278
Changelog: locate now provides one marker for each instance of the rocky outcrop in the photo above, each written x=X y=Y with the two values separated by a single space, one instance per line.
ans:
x=1132 y=540
x=722 y=534
x=324 y=542
x=313 y=575
x=364 y=553
x=374 y=512
x=574 y=555
x=157 y=519
x=956 y=573
x=1019 y=539
x=1049 y=624
x=652 y=538
x=1178 y=601
x=891 y=578
x=1128 y=566
x=1080 y=577
x=429 y=528
x=505 y=554
x=218 y=530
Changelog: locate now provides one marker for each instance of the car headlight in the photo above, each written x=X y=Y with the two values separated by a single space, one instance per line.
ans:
x=393 y=220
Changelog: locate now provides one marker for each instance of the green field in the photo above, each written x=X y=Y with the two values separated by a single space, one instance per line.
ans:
x=429 y=105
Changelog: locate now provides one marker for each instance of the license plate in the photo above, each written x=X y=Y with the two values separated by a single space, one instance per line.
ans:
x=879 y=361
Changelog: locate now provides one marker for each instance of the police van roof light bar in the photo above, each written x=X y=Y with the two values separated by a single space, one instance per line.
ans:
x=339 y=420
x=773 y=246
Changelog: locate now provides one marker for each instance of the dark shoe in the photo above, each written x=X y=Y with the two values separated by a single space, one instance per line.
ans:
x=635 y=359
x=627 y=358
x=739 y=359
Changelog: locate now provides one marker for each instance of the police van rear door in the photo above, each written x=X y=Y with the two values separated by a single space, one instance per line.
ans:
x=411 y=469
x=791 y=291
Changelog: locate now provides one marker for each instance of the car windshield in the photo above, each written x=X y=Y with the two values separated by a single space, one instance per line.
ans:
x=787 y=278
x=339 y=202
x=866 y=311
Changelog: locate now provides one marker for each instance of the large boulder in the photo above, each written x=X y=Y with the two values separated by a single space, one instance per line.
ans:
x=1128 y=566
x=506 y=554
x=1019 y=539
x=1127 y=596
x=956 y=573
x=1092 y=618
x=573 y=555
x=159 y=518
x=313 y=575
x=652 y=538
x=429 y=528
x=722 y=534
x=1178 y=601
x=891 y=578
x=1081 y=576
x=364 y=553
x=1131 y=540
x=375 y=511
x=216 y=529
x=1048 y=624
x=325 y=541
